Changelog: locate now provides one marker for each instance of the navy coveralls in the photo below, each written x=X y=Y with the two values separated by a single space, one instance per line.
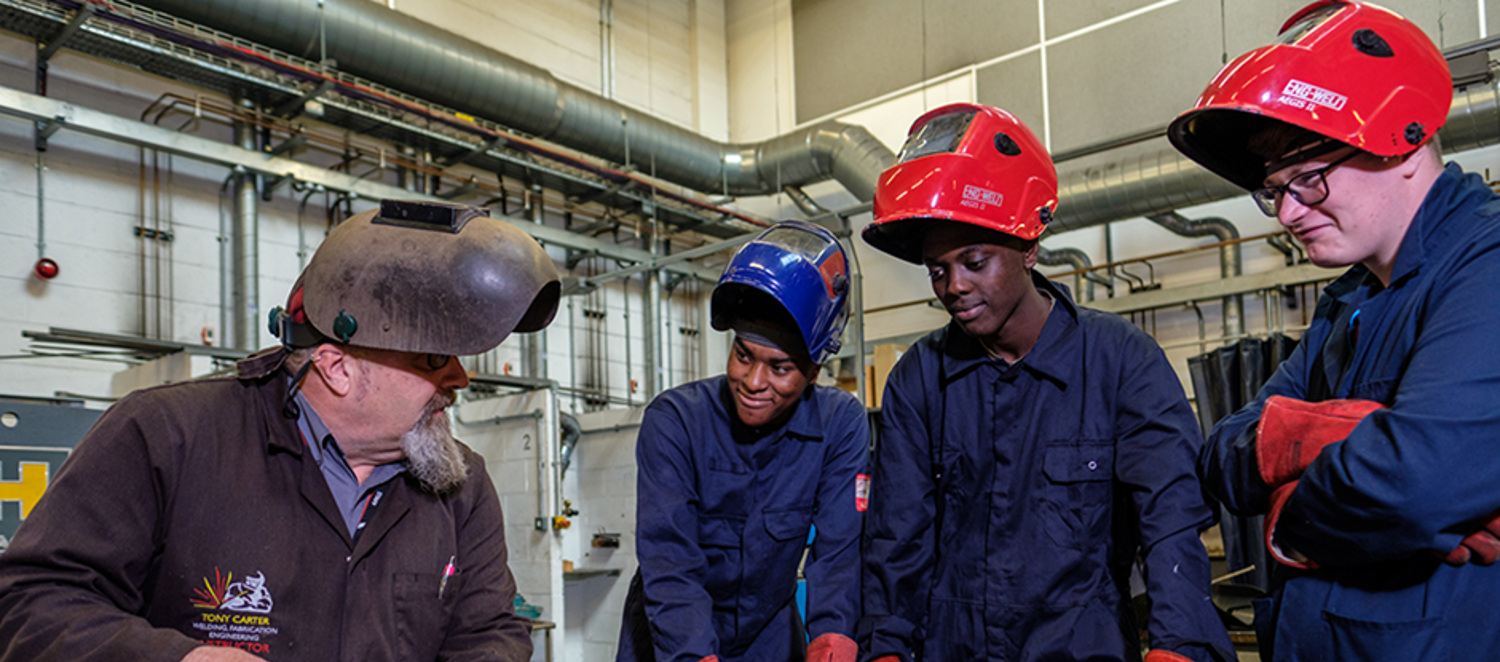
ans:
x=722 y=517
x=1409 y=481
x=1009 y=501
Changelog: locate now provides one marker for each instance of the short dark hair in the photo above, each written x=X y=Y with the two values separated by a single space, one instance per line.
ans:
x=988 y=235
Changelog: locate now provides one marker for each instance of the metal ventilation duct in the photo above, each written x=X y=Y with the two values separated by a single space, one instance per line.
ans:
x=402 y=52
x=394 y=49
x=1135 y=183
x=1150 y=180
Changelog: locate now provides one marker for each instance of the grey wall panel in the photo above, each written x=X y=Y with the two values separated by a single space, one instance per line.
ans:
x=1015 y=85
x=1449 y=22
x=1492 y=17
x=965 y=32
x=1133 y=75
x=1064 y=16
x=1251 y=24
x=847 y=51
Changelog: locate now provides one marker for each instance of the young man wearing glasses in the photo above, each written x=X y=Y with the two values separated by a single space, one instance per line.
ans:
x=1371 y=448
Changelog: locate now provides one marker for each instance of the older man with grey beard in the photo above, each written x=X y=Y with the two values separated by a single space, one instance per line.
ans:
x=432 y=454
x=315 y=506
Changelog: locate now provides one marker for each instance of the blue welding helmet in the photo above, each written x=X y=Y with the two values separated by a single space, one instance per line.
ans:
x=802 y=267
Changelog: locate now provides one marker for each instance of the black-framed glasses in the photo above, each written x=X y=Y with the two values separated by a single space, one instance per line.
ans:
x=437 y=361
x=1309 y=188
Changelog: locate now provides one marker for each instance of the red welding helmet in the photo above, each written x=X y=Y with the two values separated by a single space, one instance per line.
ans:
x=967 y=163
x=1351 y=71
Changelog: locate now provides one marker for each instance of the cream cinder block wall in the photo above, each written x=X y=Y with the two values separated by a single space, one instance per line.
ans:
x=759 y=53
x=668 y=55
x=92 y=201
x=668 y=60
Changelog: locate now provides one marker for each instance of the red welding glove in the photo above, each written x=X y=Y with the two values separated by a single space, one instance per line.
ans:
x=1278 y=501
x=1162 y=655
x=1292 y=432
x=1481 y=547
x=711 y=658
x=832 y=647
x=887 y=658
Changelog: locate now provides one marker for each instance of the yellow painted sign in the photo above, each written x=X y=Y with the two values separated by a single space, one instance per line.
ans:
x=25 y=473
x=34 y=479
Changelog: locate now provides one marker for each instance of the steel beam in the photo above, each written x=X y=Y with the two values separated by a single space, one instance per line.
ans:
x=294 y=107
x=31 y=107
x=56 y=43
x=670 y=261
x=1218 y=289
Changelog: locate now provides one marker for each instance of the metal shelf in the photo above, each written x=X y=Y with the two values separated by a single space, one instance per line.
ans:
x=589 y=574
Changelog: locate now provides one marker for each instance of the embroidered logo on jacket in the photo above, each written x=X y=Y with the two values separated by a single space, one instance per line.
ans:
x=232 y=612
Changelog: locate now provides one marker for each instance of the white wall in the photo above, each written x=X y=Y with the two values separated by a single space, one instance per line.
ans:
x=602 y=484
x=93 y=202
x=668 y=54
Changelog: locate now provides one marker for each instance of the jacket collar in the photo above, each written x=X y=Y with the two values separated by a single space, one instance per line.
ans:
x=806 y=420
x=1049 y=358
x=1434 y=225
x=1415 y=245
x=261 y=374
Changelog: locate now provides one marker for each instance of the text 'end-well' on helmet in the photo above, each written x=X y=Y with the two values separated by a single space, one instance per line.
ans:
x=802 y=267
x=421 y=277
x=1350 y=71
x=965 y=163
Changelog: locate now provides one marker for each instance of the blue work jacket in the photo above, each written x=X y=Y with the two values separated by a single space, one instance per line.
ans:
x=1408 y=481
x=723 y=514
x=1009 y=501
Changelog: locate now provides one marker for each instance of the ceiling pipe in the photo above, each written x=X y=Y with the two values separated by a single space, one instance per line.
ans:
x=369 y=40
x=1137 y=183
x=1231 y=257
x=1079 y=260
x=804 y=202
x=374 y=42
x=245 y=244
x=1220 y=229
